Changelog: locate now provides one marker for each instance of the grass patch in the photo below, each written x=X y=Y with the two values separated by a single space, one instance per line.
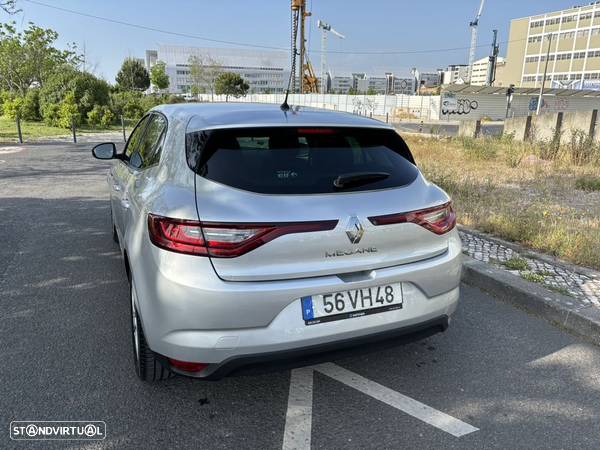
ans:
x=33 y=131
x=533 y=277
x=588 y=184
x=535 y=204
x=516 y=263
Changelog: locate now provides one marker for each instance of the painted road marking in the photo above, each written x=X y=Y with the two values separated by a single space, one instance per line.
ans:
x=298 y=421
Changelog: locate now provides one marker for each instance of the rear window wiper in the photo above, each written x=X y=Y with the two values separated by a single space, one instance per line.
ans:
x=346 y=180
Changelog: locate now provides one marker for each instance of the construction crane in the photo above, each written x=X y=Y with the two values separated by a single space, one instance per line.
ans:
x=306 y=74
x=325 y=29
x=474 y=25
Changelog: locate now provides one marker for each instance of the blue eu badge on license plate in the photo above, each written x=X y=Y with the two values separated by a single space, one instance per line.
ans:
x=307 y=308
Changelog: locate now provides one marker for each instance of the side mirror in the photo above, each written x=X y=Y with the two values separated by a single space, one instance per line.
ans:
x=107 y=150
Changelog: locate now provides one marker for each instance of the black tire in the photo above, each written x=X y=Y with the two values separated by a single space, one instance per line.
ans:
x=147 y=367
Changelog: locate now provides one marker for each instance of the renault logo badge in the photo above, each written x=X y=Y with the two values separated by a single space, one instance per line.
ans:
x=354 y=230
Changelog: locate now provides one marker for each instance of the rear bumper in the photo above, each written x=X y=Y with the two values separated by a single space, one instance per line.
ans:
x=315 y=354
x=190 y=314
x=289 y=342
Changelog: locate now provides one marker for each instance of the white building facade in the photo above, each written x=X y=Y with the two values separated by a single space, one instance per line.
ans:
x=481 y=67
x=265 y=71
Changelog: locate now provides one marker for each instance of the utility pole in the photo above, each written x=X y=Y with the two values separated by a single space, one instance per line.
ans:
x=540 y=98
x=491 y=74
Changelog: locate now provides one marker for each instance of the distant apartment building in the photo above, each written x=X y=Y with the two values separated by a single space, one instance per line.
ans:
x=455 y=74
x=429 y=79
x=481 y=68
x=573 y=39
x=265 y=71
x=363 y=83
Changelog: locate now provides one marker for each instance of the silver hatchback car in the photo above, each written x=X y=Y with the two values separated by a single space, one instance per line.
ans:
x=251 y=233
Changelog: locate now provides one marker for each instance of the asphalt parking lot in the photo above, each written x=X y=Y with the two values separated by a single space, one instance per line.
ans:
x=506 y=379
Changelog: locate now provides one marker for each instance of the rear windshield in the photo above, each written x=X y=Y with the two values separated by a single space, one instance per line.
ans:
x=287 y=160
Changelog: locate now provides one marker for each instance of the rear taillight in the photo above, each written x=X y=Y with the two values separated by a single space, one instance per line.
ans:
x=222 y=240
x=438 y=220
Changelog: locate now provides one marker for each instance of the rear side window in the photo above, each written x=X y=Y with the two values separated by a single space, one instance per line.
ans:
x=286 y=160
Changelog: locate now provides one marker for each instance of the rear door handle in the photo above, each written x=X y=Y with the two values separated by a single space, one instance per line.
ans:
x=125 y=202
x=116 y=187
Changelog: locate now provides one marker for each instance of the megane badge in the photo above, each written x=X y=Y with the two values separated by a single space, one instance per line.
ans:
x=354 y=230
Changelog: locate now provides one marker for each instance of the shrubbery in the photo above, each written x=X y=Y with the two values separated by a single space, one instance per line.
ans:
x=68 y=112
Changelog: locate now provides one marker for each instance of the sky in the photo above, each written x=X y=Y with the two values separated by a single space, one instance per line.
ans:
x=373 y=25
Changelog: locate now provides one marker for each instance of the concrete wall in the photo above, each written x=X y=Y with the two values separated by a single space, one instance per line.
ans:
x=469 y=128
x=545 y=127
x=493 y=106
x=469 y=107
x=416 y=106
x=518 y=127
x=584 y=121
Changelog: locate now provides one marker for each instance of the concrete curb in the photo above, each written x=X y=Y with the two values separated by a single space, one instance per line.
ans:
x=534 y=298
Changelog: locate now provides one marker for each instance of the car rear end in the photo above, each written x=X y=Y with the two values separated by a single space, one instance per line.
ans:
x=308 y=238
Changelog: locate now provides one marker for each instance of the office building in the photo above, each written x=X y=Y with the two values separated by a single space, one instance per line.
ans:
x=572 y=38
x=264 y=70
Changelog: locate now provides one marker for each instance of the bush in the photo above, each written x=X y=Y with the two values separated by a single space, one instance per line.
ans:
x=128 y=104
x=87 y=90
x=51 y=114
x=108 y=117
x=68 y=112
x=4 y=96
x=13 y=107
x=94 y=117
x=581 y=148
x=31 y=105
x=479 y=148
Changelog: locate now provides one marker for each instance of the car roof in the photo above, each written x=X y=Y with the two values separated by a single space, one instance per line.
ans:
x=200 y=116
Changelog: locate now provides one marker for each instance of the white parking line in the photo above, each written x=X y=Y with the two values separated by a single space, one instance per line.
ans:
x=298 y=420
x=399 y=401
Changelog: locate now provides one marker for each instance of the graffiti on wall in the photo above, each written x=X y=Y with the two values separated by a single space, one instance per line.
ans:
x=549 y=105
x=459 y=106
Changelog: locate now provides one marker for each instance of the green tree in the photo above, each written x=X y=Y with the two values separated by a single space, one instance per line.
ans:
x=204 y=71
x=85 y=87
x=229 y=83
x=158 y=76
x=128 y=104
x=28 y=58
x=133 y=76
x=68 y=112
x=371 y=91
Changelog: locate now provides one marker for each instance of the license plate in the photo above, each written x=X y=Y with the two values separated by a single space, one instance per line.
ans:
x=352 y=303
